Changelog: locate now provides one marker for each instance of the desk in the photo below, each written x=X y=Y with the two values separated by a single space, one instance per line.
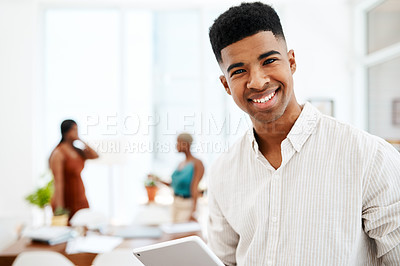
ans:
x=8 y=255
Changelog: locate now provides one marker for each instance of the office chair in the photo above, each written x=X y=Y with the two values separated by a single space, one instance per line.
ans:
x=42 y=258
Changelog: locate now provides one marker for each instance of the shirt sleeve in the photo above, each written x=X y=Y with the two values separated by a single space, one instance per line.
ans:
x=381 y=203
x=222 y=239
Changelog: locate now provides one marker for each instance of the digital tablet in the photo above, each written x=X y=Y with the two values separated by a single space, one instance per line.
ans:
x=180 y=252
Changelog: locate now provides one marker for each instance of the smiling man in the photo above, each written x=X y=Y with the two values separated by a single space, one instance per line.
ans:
x=299 y=188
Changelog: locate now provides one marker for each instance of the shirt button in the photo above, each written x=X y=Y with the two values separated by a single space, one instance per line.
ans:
x=269 y=262
x=274 y=219
x=276 y=176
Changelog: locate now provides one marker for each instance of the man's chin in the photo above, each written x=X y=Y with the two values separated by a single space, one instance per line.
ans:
x=267 y=118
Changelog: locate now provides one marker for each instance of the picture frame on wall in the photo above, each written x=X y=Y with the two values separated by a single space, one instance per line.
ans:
x=396 y=112
x=325 y=106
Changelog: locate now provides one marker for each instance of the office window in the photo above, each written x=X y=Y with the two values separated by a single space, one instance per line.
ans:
x=98 y=72
x=134 y=79
x=384 y=91
x=383 y=25
x=382 y=61
x=82 y=66
x=178 y=69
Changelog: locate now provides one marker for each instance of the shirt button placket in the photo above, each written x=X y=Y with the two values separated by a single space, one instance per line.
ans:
x=273 y=224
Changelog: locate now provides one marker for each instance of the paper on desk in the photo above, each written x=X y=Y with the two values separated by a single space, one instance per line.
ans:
x=138 y=232
x=181 y=228
x=51 y=235
x=92 y=244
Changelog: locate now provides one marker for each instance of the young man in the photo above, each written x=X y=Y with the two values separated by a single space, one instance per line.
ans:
x=300 y=188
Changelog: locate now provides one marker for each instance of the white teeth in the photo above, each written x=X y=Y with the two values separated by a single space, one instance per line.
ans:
x=265 y=99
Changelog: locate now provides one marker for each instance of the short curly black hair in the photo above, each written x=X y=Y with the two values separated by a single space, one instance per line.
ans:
x=242 y=21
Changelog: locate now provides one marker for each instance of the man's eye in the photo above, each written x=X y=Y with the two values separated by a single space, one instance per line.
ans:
x=239 y=71
x=269 y=61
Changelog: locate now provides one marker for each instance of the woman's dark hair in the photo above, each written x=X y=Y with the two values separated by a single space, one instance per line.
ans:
x=242 y=21
x=66 y=126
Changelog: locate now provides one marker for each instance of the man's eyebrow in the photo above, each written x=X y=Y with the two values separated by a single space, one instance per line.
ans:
x=268 y=54
x=233 y=66
x=259 y=58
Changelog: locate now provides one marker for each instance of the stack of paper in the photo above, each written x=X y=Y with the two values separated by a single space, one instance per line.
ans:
x=93 y=244
x=51 y=235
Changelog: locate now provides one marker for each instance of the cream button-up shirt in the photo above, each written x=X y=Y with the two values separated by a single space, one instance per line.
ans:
x=335 y=199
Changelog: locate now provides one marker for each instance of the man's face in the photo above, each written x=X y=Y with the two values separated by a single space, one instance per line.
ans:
x=258 y=74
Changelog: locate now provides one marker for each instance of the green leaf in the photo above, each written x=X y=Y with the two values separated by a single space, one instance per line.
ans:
x=42 y=196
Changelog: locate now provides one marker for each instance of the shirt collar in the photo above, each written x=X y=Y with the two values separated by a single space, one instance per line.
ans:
x=252 y=139
x=303 y=128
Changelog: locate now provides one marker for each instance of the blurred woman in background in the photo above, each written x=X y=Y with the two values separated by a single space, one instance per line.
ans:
x=67 y=162
x=185 y=182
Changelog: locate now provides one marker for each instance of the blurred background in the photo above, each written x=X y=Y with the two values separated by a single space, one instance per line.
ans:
x=134 y=74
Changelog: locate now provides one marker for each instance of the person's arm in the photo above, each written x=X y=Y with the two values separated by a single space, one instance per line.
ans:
x=222 y=239
x=57 y=168
x=89 y=152
x=157 y=179
x=194 y=186
x=381 y=204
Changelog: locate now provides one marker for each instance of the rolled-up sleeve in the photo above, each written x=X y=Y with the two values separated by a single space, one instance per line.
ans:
x=381 y=204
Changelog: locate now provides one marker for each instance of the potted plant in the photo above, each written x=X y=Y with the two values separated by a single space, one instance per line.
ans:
x=60 y=217
x=41 y=197
x=151 y=188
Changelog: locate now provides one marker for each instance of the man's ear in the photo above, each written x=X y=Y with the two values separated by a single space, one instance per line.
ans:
x=225 y=84
x=292 y=61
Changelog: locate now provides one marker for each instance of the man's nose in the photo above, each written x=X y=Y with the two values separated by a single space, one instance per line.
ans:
x=257 y=80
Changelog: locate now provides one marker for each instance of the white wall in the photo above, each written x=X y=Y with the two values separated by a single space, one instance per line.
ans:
x=17 y=51
x=322 y=44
